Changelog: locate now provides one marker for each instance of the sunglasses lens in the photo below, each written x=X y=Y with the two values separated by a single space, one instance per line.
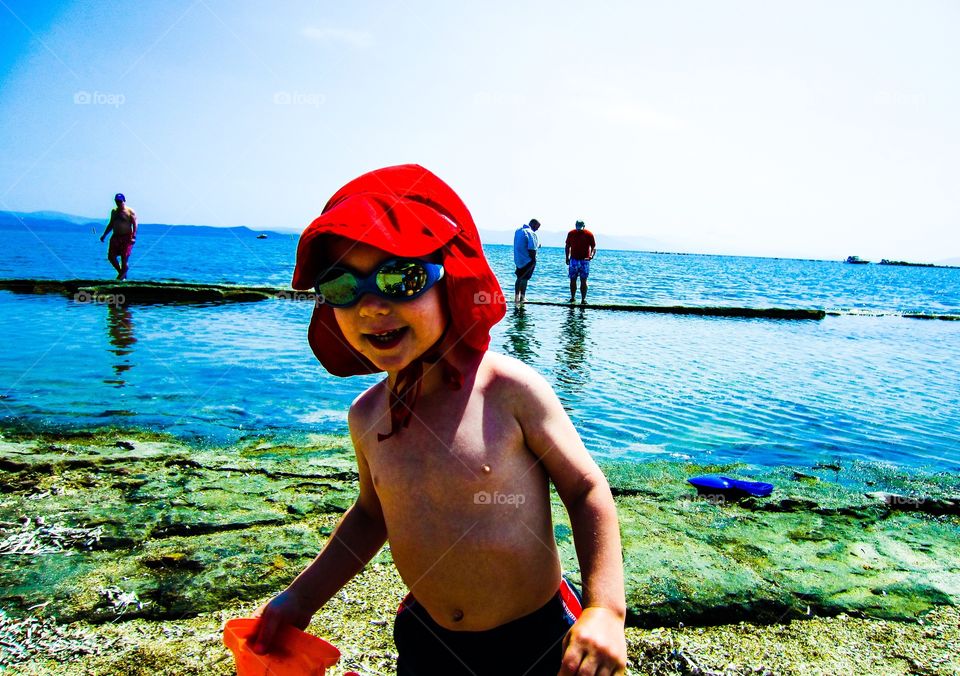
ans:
x=340 y=288
x=402 y=279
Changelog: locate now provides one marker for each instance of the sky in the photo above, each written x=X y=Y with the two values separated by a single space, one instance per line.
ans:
x=815 y=129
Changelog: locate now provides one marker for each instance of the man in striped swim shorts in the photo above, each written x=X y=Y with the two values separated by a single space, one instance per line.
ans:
x=580 y=249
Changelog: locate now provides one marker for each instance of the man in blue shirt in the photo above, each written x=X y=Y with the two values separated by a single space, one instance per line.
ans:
x=525 y=245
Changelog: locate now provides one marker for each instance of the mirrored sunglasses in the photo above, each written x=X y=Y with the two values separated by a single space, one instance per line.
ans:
x=398 y=279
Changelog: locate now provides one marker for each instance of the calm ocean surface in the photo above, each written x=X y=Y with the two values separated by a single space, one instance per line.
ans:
x=865 y=385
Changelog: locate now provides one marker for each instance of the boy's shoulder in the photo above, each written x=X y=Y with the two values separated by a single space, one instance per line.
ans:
x=367 y=401
x=502 y=375
x=494 y=371
x=498 y=376
x=498 y=365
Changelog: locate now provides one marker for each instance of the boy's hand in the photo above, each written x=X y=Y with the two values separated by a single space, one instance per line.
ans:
x=595 y=645
x=285 y=608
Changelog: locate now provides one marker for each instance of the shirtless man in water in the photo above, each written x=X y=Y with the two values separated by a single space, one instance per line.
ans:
x=123 y=223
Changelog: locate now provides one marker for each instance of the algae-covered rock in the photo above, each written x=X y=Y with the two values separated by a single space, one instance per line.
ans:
x=812 y=547
x=179 y=530
x=113 y=525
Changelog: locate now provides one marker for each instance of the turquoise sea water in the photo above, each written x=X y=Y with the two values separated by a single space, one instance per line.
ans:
x=865 y=384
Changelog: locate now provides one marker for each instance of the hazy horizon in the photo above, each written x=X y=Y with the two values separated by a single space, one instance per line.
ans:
x=551 y=238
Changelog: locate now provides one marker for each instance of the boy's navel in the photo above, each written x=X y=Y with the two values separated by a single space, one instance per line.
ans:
x=457 y=613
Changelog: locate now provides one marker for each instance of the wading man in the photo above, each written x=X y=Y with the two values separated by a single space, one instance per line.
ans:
x=525 y=245
x=579 y=250
x=123 y=223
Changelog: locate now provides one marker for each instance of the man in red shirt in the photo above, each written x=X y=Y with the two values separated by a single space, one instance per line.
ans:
x=580 y=248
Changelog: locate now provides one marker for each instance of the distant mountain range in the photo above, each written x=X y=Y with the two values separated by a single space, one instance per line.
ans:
x=59 y=222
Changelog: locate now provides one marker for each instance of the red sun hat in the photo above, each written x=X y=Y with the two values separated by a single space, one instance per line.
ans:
x=406 y=211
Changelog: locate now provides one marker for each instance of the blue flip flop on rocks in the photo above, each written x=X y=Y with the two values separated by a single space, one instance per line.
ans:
x=730 y=488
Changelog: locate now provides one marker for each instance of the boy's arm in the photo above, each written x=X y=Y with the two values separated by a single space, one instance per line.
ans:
x=596 y=641
x=133 y=223
x=357 y=538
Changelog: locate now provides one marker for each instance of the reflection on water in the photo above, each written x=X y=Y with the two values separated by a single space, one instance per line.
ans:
x=120 y=331
x=573 y=356
x=521 y=339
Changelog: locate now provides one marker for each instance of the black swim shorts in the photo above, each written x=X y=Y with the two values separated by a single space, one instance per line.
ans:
x=526 y=272
x=531 y=645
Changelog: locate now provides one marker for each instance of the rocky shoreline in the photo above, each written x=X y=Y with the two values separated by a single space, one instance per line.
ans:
x=123 y=553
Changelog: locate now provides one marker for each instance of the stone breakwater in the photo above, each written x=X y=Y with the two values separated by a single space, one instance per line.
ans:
x=129 y=535
x=126 y=293
x=138 y=293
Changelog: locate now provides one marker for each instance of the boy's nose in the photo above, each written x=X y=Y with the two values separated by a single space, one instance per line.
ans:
x=371 y=305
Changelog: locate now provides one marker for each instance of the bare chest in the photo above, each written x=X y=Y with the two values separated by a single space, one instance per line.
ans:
x=121 y=222
x=455 y=449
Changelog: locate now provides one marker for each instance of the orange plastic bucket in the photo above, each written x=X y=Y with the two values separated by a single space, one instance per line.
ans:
x=296 y=653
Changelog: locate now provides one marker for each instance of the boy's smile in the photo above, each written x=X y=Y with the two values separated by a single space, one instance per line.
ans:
x=391 y=334
x=386 y=339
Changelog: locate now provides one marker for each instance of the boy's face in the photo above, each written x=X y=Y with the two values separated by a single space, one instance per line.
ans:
x=406 y=329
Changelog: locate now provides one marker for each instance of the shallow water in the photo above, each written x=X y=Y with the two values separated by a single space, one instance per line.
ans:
x=164 y=253
x=636 y=385
x=731 y=281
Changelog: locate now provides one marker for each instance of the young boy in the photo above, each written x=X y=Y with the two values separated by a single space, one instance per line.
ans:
x=455 y=449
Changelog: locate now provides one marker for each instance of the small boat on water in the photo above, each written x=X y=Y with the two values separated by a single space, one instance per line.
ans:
x=261 y=236
x=856 y=260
